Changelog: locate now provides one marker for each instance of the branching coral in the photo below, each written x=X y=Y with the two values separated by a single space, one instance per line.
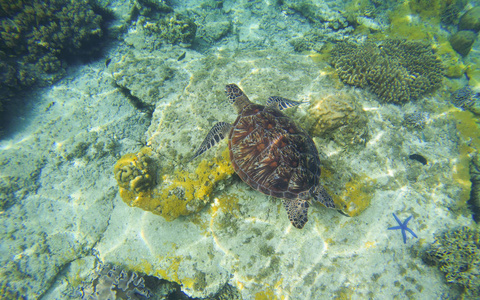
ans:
x=457 y=253
x=396 y=70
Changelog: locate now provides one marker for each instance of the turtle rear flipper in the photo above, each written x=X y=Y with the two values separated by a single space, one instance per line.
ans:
x=297 y=210
x=281 y=103
x=321 y=195
x=218 y=132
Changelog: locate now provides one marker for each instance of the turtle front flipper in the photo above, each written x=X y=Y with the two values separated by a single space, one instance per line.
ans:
x=297 y=210
x=281 y=103
x=218 y=132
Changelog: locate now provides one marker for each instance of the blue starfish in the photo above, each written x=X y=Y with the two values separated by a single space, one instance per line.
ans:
x=403 y=227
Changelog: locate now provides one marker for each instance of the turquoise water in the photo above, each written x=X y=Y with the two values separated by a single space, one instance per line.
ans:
x=96 y=174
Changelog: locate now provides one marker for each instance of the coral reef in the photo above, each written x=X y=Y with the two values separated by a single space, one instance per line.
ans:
x=419 y=21
x=112 y=282
x=473 y=73
x=457 y=253
x=178 y=194
x=396 y=70
x=146 y=79
x=338 y=115
x=38 y=37
x=329 y=24
x=214 y=31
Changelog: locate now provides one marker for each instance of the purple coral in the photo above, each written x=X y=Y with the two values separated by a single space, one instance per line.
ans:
x=112 y=282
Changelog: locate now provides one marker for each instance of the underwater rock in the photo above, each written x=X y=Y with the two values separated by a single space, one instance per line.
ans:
x=338 y=115
x=174 y=29
x=151 y=8
x=214 y=31
x=318 y=14
x=397 y=71
x=457 y=253
x=310 y=41
x=145 y=78
x=462 y=41
x=470 y=20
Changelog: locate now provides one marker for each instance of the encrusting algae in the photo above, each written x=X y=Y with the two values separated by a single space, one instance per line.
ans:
x=356 y=196
x=174 y=195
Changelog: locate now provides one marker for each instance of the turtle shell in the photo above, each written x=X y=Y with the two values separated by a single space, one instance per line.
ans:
x=272 y=154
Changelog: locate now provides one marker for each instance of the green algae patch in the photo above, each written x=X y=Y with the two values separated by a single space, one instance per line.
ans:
x=469 y=132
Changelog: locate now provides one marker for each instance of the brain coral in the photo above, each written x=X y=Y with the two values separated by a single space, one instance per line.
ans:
x=338 y=115
x=396 y=70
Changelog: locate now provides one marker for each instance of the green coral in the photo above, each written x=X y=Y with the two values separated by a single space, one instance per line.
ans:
x=37 y=38
x=457 y=254
x=396 y=70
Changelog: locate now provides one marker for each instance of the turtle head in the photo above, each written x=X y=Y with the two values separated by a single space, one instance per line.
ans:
x=236 y=96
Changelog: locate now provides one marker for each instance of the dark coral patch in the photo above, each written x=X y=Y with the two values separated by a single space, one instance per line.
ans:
x=38 y=38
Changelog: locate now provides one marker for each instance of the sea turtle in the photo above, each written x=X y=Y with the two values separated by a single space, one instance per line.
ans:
x=271 y=153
